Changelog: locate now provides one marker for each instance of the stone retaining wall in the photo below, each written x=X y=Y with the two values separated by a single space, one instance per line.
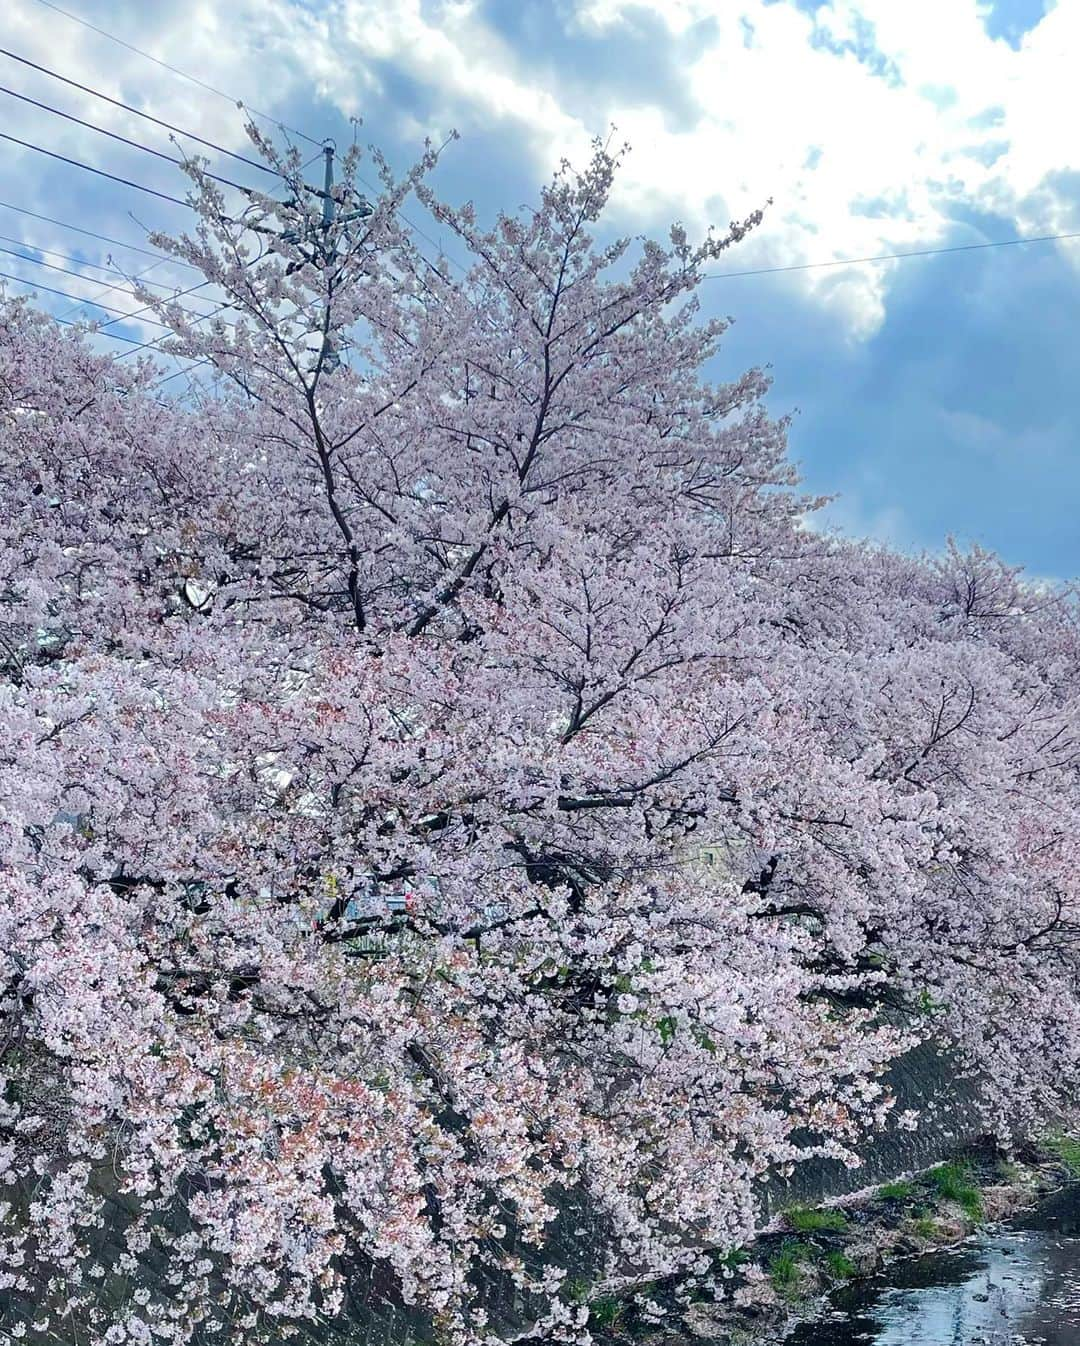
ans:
x=925 y=1079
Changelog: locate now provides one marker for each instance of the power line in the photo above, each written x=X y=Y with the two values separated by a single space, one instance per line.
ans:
x=122 y=316
x=180 y=294
x=152 y=344
x=97 y=295
x=52 y=252
x=138 y=112
x=66 y=294
x=148 y=345
x=77 y=163
x=715 y=275
x=111 y=336
x=147 y=308
x=417 y=230
x=169 y=377
x=176 y=71
x=64 y=271
x=132 y=341
x=101 y=238
x=892 y=256
x=96 y=93
x=161 y=259
x=114 y=135
x=51 y=266
x=137 y=344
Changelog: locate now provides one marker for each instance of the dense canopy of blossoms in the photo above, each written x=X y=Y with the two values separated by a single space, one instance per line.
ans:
x=359 y=722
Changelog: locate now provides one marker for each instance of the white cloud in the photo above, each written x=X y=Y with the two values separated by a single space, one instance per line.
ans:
x=851 y=517
x=868 y=123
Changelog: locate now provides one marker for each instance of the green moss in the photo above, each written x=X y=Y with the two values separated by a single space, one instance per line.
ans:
x=953 y=1183
x=576 y=1289
x=896 y=1191
x=805 y=1220
x=839 y=1265
x=784 y=1267
x=925 y=1226
x=606 y=1312
x=1067 y=1149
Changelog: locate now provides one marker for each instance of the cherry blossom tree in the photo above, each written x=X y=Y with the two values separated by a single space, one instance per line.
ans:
x=361 y=723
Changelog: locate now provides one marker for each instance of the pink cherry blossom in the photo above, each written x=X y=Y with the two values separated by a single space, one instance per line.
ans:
x=361 y=725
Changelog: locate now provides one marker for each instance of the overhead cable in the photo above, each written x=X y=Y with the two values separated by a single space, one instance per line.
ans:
x=169 y=377
x=89 y=168
x=147 y=345
x=101 y=238
x=892 y=256
x=111 y=336
x=138 y=276
x=64 y=256
x=78 y=275
x=183 y=74
x=115 y=135
x=138 y=112
x=66 y=294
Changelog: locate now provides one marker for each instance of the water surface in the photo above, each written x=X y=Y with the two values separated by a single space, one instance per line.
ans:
x=1016 y=1286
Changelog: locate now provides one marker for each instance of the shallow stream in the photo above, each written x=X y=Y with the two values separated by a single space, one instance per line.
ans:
x=1016 y=1286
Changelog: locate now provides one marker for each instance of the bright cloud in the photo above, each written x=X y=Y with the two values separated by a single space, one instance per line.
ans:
x=871 y=124
x=868 y=122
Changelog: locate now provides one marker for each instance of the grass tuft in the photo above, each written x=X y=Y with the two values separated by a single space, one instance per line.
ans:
x=840 y=1266
x=606 y=1312
x=784 y=1267
x=896 y=1191
x=953 y=1183
x=733 y=1259
x=805 y=1220
x=576 y=1289
x=1067 y=1149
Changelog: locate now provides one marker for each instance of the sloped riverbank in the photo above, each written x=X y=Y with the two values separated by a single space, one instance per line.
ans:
x=1016 y=1284
x=892 y=1261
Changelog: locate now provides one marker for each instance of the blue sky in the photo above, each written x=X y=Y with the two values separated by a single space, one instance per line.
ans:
x=934 y=395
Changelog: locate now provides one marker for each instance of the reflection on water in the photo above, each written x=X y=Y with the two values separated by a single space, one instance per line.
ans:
x=1019 y=1286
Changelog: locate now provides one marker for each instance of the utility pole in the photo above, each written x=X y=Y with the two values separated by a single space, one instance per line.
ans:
x=327 y=247
x=328 y=182
x=329 y=358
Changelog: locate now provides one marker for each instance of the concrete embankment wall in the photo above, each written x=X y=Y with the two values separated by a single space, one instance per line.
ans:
x=925 y=1080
